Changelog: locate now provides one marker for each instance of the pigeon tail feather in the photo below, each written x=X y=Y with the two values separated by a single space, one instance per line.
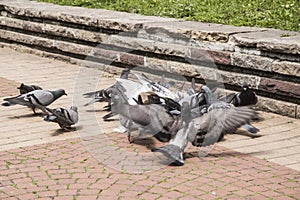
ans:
x=173 y=152
x=250 y=128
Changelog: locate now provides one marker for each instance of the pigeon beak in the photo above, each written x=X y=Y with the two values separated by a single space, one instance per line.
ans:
x=66 y=94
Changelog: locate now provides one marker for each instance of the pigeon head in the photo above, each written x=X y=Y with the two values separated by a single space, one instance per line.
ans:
x=207 y=94
x=58 y=93
x=245 y=86
x=74 y=108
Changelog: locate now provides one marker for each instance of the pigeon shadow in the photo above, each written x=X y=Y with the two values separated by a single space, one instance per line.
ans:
x=148 y=142
x=28 y=116
x=62 y=131
x=193 y=154
x=110 y=120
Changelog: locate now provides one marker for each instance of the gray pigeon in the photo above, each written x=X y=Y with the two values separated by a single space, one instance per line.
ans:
x=28 y=88
x=104 y=95
x=151 y=119
x=65 y=118
x=35 y=99
x=214 y=103
x=206 y=130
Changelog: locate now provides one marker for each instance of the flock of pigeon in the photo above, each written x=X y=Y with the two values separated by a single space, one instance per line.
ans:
x=155 y=109
x=178 y=117
x=34 y=97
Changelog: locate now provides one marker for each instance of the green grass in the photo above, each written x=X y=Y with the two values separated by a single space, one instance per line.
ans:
x=280 y=14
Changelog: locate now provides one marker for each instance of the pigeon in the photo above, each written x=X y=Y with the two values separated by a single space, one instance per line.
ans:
x=214 y=103
x=35 y=99
x=65 y=118
x=104 y=95
x=244 y=98
x=206 y=130
x=174 y=150
x=209 y=128
x=151 y=119
x=28 y=88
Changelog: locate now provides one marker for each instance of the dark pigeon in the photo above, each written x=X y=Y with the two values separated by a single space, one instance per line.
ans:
x=246 y=97
x=28 y=88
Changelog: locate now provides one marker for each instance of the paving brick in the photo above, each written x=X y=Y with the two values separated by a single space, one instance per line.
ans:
x=64 y=198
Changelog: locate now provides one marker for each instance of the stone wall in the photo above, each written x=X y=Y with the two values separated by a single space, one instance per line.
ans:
x=268 y=59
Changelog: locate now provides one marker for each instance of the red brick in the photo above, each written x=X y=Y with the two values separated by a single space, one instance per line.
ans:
x=78 y=186
x=64 y=198
x=291 y=184
x=89 y=197
x=66 y=192
x=47 y=194
x=148 y=196
x=270 y=193
x=28 y=196
x=61 y=176
x=89 y=192
x=105 y=54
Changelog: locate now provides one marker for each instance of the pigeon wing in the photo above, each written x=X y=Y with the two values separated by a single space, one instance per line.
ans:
x=64 y=116
x=40 y=97
x=223 y=121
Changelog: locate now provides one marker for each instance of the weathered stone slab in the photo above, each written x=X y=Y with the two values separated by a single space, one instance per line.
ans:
x=131 y=59
x=214 y=46
x=211 y=74
x=105 y=54
x=46 y=43
x=219 y=57
x=199 y=31
x=275 y=106
x=251 y=61
x=285 y=67
x=171 y=49
x=156 y=64
x=271 y=40
x=26 y=39
x=131 y=42
x=72 y=48
x=284 y=88
x=56 y=30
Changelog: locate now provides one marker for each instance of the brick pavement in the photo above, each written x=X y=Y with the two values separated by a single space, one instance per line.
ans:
x=38 y=161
